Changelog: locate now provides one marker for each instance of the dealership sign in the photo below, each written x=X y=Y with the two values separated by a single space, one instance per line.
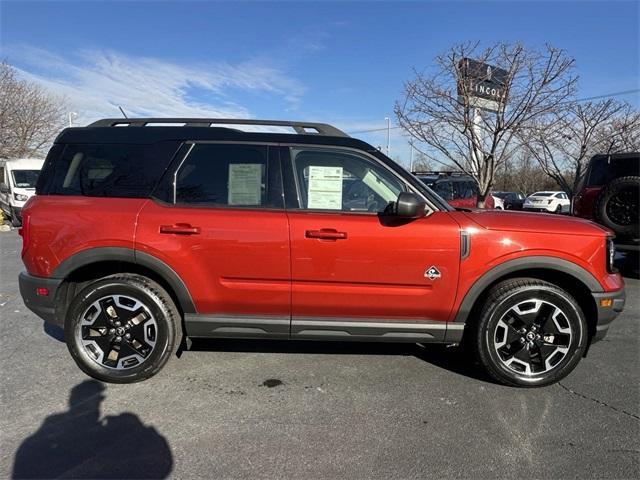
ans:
x=481 y=85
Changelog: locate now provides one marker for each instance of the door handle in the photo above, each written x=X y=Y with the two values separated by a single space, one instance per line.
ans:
x=326 y=234
x=180 y=229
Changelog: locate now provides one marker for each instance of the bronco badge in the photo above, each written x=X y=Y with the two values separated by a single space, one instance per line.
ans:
x=432 y=273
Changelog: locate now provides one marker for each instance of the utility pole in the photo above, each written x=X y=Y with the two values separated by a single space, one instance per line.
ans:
x=72 y=115
x=411 y=157
x=388 y=136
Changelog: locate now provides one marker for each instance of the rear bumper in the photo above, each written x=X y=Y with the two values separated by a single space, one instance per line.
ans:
x=606 y=314
x=43 y=306
x=537 y=209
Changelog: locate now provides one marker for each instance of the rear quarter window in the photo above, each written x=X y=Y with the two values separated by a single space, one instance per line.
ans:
x=105 y=170
x=606 y=169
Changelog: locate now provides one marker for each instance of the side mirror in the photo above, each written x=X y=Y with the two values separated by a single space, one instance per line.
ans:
x=4 y=188
x=409 y=205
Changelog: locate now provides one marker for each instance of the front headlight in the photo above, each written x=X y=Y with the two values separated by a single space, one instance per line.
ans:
x=20 y=197
x=611 y=255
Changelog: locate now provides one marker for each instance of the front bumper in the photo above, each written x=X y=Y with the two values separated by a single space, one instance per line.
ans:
x=606 y=314
x=41 y=305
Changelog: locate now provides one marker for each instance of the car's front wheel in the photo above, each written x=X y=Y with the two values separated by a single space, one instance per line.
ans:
x=122 y=328
x=530 y=333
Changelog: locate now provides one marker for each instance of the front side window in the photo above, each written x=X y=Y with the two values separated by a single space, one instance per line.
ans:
x=228 y=176
x=339 y=180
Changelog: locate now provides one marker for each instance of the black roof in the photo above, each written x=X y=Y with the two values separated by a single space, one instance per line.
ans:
x=137 y=131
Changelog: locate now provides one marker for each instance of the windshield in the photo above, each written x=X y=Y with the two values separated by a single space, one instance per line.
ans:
x=25 y=178
x=542 y=194
x=501 y=194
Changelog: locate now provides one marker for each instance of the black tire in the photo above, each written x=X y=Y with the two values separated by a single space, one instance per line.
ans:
x=15 y=221
x=617 y=206
x=559 y=209
x=497 y=336
x=152 y=328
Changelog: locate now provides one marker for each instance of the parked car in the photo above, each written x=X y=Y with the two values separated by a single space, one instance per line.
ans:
x=508 y=200
x=553 y=202
x=141 y=237
x=609 y=196
x=17 y=184
x=458 y=189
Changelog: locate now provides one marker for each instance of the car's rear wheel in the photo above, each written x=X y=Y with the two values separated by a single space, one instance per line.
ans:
x=530 y=333
x=559 y=209
x=122 y=328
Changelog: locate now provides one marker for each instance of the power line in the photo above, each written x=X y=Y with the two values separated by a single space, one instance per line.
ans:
x=596 y=97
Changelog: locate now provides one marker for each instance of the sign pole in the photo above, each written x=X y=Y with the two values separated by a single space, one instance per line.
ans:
x=477 y=134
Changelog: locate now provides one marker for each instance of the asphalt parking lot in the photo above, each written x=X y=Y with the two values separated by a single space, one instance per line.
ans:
x=241 y=409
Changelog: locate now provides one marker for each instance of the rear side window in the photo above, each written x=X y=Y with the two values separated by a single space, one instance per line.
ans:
x=107 y=170
x=229 y=176
x=605 y=169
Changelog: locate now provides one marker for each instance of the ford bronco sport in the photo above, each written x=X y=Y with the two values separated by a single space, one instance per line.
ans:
x=142 y=236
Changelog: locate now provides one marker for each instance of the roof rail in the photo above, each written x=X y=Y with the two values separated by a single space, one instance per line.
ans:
x=301 y=128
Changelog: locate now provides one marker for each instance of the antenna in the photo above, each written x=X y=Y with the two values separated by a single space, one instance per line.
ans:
x=123 y=114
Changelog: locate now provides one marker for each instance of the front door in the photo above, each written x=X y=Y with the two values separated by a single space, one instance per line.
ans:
x=356 y=270
x=224 y=231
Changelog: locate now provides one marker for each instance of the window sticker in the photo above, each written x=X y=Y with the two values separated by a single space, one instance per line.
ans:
x=245 y=183
x=325 y=188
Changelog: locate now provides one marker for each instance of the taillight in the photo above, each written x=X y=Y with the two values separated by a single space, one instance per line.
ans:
x=24 y=231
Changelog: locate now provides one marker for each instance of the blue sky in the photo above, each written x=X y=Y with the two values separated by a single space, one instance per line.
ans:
x=337 y=62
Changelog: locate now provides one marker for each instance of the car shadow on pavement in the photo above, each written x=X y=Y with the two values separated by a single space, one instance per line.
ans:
x=453 y=359
x=79 y=444
x=54 y=331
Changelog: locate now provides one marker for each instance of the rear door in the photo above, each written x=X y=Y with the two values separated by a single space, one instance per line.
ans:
x=219 y=222
x=357 y=270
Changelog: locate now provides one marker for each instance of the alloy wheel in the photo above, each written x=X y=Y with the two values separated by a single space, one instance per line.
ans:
x=117 y=332
x=532 y=337
x=622 y=208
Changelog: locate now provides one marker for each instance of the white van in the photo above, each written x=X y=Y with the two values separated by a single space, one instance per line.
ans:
x=17 y=183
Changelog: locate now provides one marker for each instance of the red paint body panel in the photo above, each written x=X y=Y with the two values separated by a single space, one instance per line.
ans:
x=472 y=202
x=378 y=271
x=518 y=238
x=238 y=264
x=61 y=226
x=536 y=223
x=584 y=202
x=260 y=262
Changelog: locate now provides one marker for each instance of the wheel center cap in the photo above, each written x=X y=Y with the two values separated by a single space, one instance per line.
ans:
x=531 y=336
x=120 y=331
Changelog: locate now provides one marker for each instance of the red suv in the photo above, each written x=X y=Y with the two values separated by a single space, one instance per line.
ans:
x=142 y=236
x=458 y=189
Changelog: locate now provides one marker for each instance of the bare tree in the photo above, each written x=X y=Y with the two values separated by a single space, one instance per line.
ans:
x=563 y=145
x=622 y=133
x=437 y=108
x=30 y=117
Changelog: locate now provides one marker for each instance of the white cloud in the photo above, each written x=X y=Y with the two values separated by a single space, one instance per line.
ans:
x=94 y=83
